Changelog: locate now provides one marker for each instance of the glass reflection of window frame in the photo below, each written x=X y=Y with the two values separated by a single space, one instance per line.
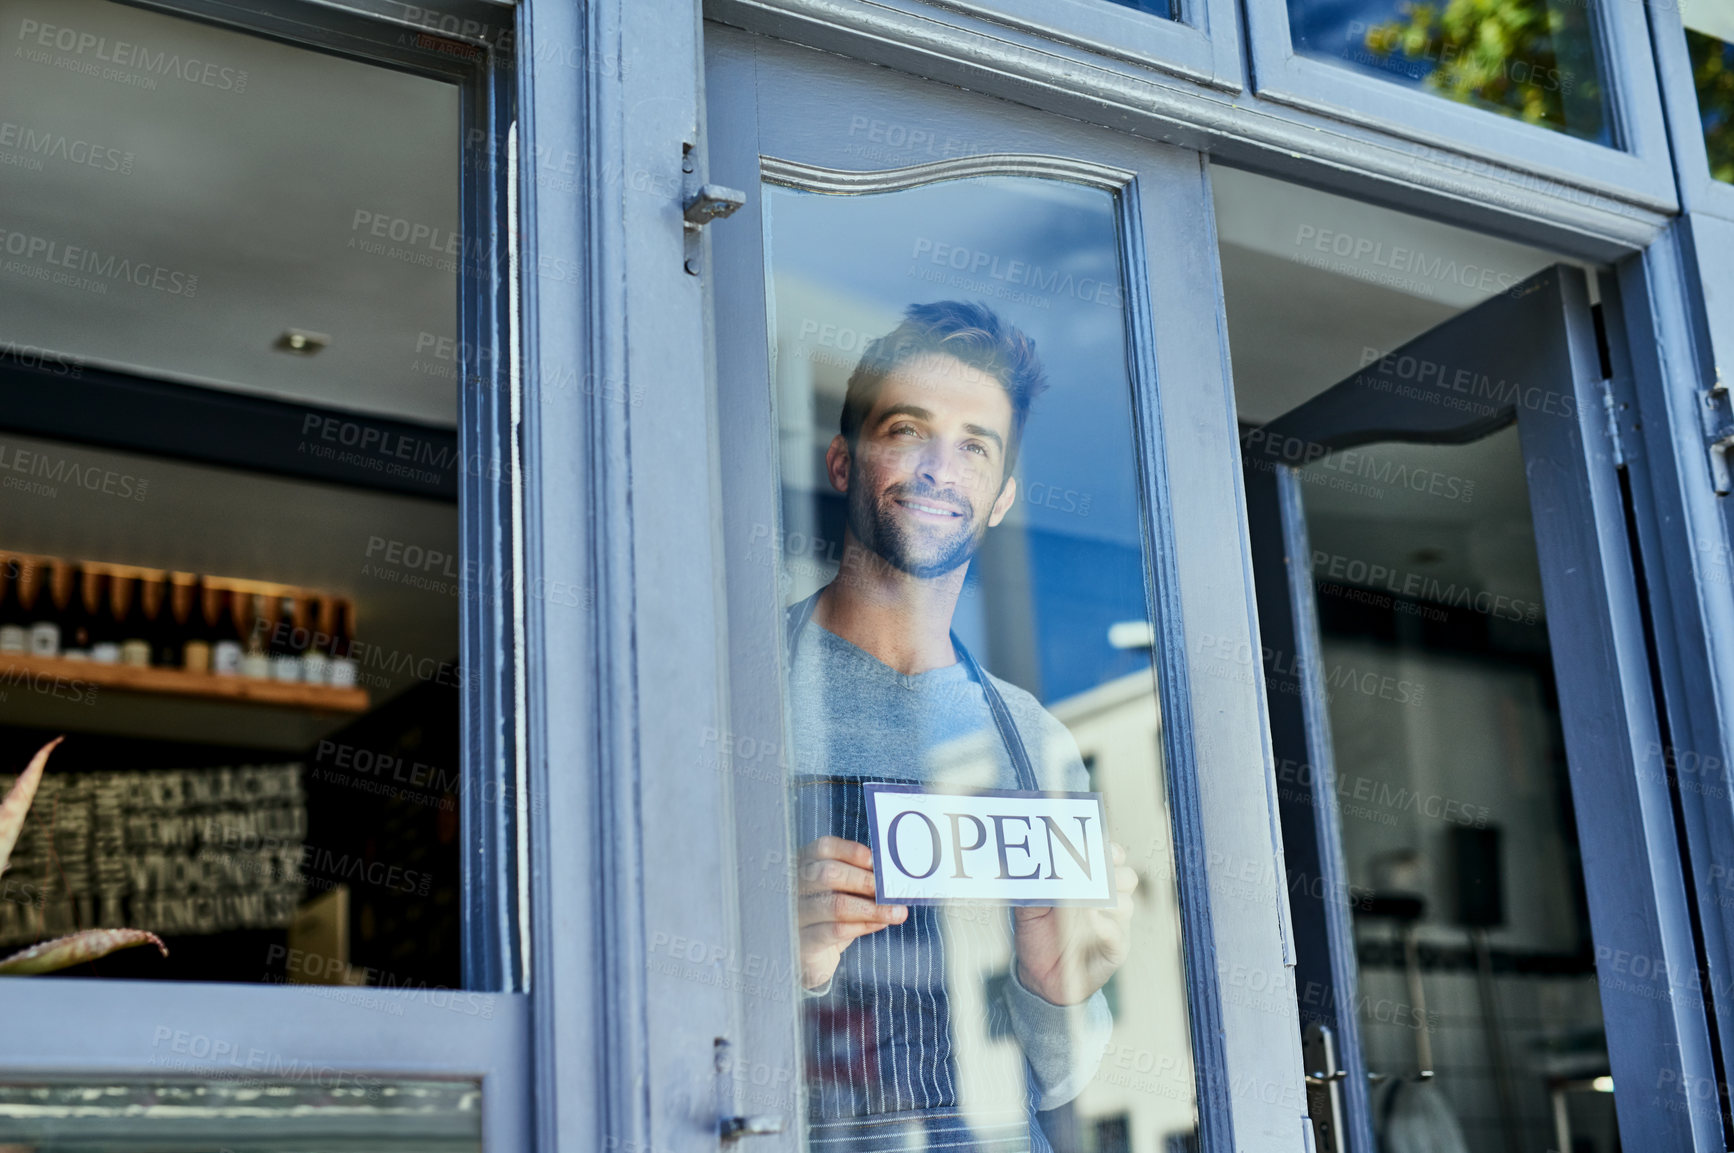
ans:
x=158 y=1031
x=1475 y=139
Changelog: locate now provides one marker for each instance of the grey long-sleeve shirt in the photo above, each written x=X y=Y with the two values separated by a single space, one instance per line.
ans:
x=852 y=715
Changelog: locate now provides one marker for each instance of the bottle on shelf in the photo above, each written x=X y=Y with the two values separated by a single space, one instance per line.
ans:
x=56 y=582
x=322 y=626
x=180 y=625
x=117 y=614
x=135 y=601
x=257 y=611
x=77 y=625
x=343 y=667
x=288 y=639
x=103 y=628
x=222 y=616
x=14 y=638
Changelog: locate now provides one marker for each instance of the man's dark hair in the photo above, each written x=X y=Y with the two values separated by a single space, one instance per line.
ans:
x=971 y=333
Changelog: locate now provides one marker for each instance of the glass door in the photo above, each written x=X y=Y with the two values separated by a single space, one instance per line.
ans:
x=1493 y=942
x=975 y=456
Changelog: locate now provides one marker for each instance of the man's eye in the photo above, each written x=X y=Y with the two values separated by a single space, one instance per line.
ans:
x=973 y=447
x=903 y=429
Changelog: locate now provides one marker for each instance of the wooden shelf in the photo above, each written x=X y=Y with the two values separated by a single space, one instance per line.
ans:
x=179 y=683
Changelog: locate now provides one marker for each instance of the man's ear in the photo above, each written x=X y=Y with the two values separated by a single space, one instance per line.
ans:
x=1007 y=496
x=837 y=461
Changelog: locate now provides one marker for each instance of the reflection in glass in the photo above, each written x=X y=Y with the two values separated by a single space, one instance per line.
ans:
x=970 y=1021
x=1471 y=924
x=1713 y=76
x=330 y=1110
x=1532 y=60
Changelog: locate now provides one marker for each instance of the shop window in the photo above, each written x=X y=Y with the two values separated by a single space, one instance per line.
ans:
x=233 y=574
x=1536 y=61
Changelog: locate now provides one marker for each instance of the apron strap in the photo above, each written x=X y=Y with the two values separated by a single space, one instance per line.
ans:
x=795 y=619
x=798 y=616
x=1002 y=719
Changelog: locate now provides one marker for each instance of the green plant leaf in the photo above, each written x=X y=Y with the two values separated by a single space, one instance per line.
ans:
x=64 y=952
x=16 y=806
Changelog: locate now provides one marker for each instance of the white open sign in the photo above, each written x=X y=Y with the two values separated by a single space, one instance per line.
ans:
x=1004 y=846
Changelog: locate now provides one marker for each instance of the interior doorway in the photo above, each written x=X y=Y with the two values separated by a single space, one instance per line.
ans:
x=1451 y=996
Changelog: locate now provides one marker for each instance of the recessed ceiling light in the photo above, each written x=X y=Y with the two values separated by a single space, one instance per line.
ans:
x=300 y=342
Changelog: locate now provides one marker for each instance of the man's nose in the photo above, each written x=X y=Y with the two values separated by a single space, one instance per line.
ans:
x=940 y=464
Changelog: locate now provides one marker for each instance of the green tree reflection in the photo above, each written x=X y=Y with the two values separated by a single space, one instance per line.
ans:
x=1713 y=76
x=1528 y=59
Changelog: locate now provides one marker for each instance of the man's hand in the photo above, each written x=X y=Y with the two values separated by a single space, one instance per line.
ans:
x=836 y=886
x=1066 y=954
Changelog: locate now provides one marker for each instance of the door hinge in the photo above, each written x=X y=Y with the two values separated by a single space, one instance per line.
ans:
x=1611 y=407
x=1717 y=412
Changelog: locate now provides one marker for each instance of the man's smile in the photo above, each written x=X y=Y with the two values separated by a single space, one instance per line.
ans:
x=924 y=508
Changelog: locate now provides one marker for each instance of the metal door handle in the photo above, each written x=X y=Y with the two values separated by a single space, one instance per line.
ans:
x=764 y=1125
x=1381 y=1078
x=1324 y=1098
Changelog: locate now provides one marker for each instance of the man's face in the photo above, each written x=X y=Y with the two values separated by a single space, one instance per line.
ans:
x=926 y=478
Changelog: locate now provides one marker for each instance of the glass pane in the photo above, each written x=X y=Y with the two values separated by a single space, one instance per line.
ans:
x=1533 y=60
x=1471 y=923
x=1713 y=76
x=913 y=509
x=331 y=1111
x=240 y=602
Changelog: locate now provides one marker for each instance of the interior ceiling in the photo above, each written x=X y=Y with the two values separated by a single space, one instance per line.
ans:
x=257 y=168
x=265 y=187
x=1301 y=319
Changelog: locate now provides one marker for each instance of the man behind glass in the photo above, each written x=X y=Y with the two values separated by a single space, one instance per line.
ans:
x=881 y=691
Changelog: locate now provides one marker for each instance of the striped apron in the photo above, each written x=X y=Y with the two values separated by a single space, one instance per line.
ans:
x=881 y=1071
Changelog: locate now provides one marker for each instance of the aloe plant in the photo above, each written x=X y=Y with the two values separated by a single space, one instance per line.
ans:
x=62 y=952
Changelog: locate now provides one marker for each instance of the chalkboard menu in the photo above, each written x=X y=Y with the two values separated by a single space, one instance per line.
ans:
x=176 y=851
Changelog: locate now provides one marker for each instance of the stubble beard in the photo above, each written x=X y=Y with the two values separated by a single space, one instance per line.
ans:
x=875 y=521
